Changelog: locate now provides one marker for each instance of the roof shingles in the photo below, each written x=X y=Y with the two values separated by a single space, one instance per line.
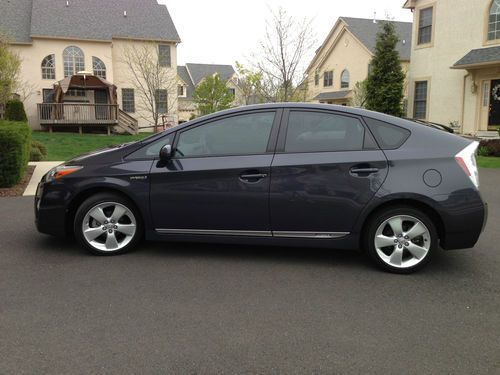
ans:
x=193 y=74
x=489 y=55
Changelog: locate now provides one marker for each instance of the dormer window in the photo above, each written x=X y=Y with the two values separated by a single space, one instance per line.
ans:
x=494 y=21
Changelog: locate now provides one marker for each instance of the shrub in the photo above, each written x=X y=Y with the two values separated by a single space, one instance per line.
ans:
x=484 y=151
x=15 y=142
x=38 y=151
x=14 y=111
x=493 y=146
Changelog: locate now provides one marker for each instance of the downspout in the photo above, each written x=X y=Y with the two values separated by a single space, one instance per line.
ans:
x=462 y=116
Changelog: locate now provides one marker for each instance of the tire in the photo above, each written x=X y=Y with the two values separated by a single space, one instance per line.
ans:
x=108 y=224
x=406 y=248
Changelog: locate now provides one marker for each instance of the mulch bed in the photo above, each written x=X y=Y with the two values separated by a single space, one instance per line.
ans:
x=18 y=190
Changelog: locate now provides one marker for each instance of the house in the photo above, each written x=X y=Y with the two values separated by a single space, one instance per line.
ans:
x=74 y=65
x=455 y=63
x=344 y=58
x=191 y=75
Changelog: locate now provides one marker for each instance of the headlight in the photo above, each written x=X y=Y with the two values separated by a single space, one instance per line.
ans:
x=61 y=171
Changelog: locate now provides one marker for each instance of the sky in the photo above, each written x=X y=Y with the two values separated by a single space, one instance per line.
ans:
x=225 y=31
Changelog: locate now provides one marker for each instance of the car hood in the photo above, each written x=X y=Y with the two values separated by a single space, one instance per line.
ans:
x=105 y=155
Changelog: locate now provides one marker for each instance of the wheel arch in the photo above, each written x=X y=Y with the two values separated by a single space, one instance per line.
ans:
x=408 y=202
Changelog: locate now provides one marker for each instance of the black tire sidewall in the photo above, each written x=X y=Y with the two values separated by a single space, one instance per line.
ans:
x=383 y=215
x=92 y=202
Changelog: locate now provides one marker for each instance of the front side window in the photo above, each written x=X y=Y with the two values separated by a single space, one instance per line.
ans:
x=420 y=101
x=152 y=150
x=425 y=26
x=328 y=78
x=344 y=79
x=128 y=100
x=238 y=135
x=161 y=101
x=74 y=61
x=164 y=55
x=494 y=21
x=98 y=67
x=49 y=67
x=318 y=132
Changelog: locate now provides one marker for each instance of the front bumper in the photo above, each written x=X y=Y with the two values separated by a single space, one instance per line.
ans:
x=50 y=212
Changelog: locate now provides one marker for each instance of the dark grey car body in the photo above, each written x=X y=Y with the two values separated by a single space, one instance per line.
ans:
x=277 y=197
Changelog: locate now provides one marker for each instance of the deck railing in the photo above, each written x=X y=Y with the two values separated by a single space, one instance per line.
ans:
x=77 y=113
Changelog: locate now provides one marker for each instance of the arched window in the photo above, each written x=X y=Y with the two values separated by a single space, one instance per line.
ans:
x=494 y=21
x=74 y=61
x=344 y=79
x=49 y=67
x=98 y=67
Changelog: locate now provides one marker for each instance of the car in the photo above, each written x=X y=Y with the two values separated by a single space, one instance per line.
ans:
x=285 y=174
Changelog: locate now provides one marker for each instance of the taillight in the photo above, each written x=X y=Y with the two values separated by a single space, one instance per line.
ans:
x=466 y=159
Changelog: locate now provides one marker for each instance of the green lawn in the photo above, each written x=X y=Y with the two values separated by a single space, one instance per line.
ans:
x=488 y=162
x=64 y=146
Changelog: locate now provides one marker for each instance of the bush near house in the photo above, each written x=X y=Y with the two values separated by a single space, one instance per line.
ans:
x=15 y=142
x=38 y=151
x=14 y=111
x=489 y=147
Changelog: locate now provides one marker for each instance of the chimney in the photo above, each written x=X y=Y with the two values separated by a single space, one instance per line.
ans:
x=67 y=3
x=124 y=13
x=374 y=17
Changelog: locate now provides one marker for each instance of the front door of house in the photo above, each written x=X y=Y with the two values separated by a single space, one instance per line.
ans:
x=494 y=108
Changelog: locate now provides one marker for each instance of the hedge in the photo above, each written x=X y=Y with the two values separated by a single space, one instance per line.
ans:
x=15 y=145
x=489 y=147
x=14 y=111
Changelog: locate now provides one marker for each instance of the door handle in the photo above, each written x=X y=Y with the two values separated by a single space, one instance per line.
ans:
x=364 y=170
x=253 y=177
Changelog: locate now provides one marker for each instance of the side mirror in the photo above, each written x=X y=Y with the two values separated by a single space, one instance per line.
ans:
x=166 y=153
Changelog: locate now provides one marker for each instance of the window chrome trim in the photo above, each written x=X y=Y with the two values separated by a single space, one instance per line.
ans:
x=256 y=233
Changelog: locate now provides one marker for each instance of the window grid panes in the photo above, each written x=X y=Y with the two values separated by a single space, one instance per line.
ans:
x=494 y=21
x=344 y=79
x=486 y=93
x=180 y=90
x=128 y=100
x=98 y=67
x=328 y=78
x=316 y=78
x=425 y=26
x=239 y=135
x=161 y=100
x=74 y=61
x=420 y=102
x=164 y=55
x=323 y=132
x=49 y=67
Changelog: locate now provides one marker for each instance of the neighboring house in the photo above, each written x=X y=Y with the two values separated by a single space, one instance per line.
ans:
x=455 y=63
x=56 y=39
x=191 y=75
x=344 y=58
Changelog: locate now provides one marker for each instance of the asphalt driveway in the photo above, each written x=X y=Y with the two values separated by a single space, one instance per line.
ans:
x=213 y=309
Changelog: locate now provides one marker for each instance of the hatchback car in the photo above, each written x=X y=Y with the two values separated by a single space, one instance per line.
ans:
x=284 y=174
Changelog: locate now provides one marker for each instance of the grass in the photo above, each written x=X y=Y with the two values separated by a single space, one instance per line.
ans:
x=64 y=146
x=488 y=162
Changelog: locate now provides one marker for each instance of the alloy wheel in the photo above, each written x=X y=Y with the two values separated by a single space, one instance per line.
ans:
x=402 y=241
x=109 y=226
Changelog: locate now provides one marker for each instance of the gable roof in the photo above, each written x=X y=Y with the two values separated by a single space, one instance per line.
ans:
x=193 y=74
x=479 y=57
x=366 y=31
x=88 y=19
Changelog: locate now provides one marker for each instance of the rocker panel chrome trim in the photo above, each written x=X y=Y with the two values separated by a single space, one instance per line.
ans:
x=255 y=233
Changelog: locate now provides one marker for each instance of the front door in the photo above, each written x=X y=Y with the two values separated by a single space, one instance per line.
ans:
x=101 y=100
x=325 y=171
x=494 y=107
x=218 y=180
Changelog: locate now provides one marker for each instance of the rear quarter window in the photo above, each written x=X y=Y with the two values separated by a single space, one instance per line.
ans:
x=388 y=136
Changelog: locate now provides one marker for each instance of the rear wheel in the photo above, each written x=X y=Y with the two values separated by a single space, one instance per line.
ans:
x=107 y=224
x=401 y=239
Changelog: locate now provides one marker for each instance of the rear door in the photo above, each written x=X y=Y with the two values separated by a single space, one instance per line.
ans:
x=326 y=169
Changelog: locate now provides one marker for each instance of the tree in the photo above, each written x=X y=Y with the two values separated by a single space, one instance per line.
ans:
x=284 y=53
x=386 y=81
x=212 y=95
x=249 y=83
x=10 y=66
x=153 y=82
x=359 y=94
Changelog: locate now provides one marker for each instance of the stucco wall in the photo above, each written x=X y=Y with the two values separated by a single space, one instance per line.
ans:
x=459 y=26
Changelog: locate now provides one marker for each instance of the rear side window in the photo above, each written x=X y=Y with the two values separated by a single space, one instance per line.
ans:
x=317 y=132
x=389 y=137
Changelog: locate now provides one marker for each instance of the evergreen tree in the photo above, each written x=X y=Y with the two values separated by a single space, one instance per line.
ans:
x=385 y=84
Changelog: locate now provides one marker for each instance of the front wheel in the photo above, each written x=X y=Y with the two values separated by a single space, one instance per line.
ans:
x=401 y=239
x=107 y=224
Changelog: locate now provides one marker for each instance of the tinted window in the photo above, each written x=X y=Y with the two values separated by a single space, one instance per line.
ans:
x=388 y=136
x=238 y=135
x=315 y=132
x=152 y=150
